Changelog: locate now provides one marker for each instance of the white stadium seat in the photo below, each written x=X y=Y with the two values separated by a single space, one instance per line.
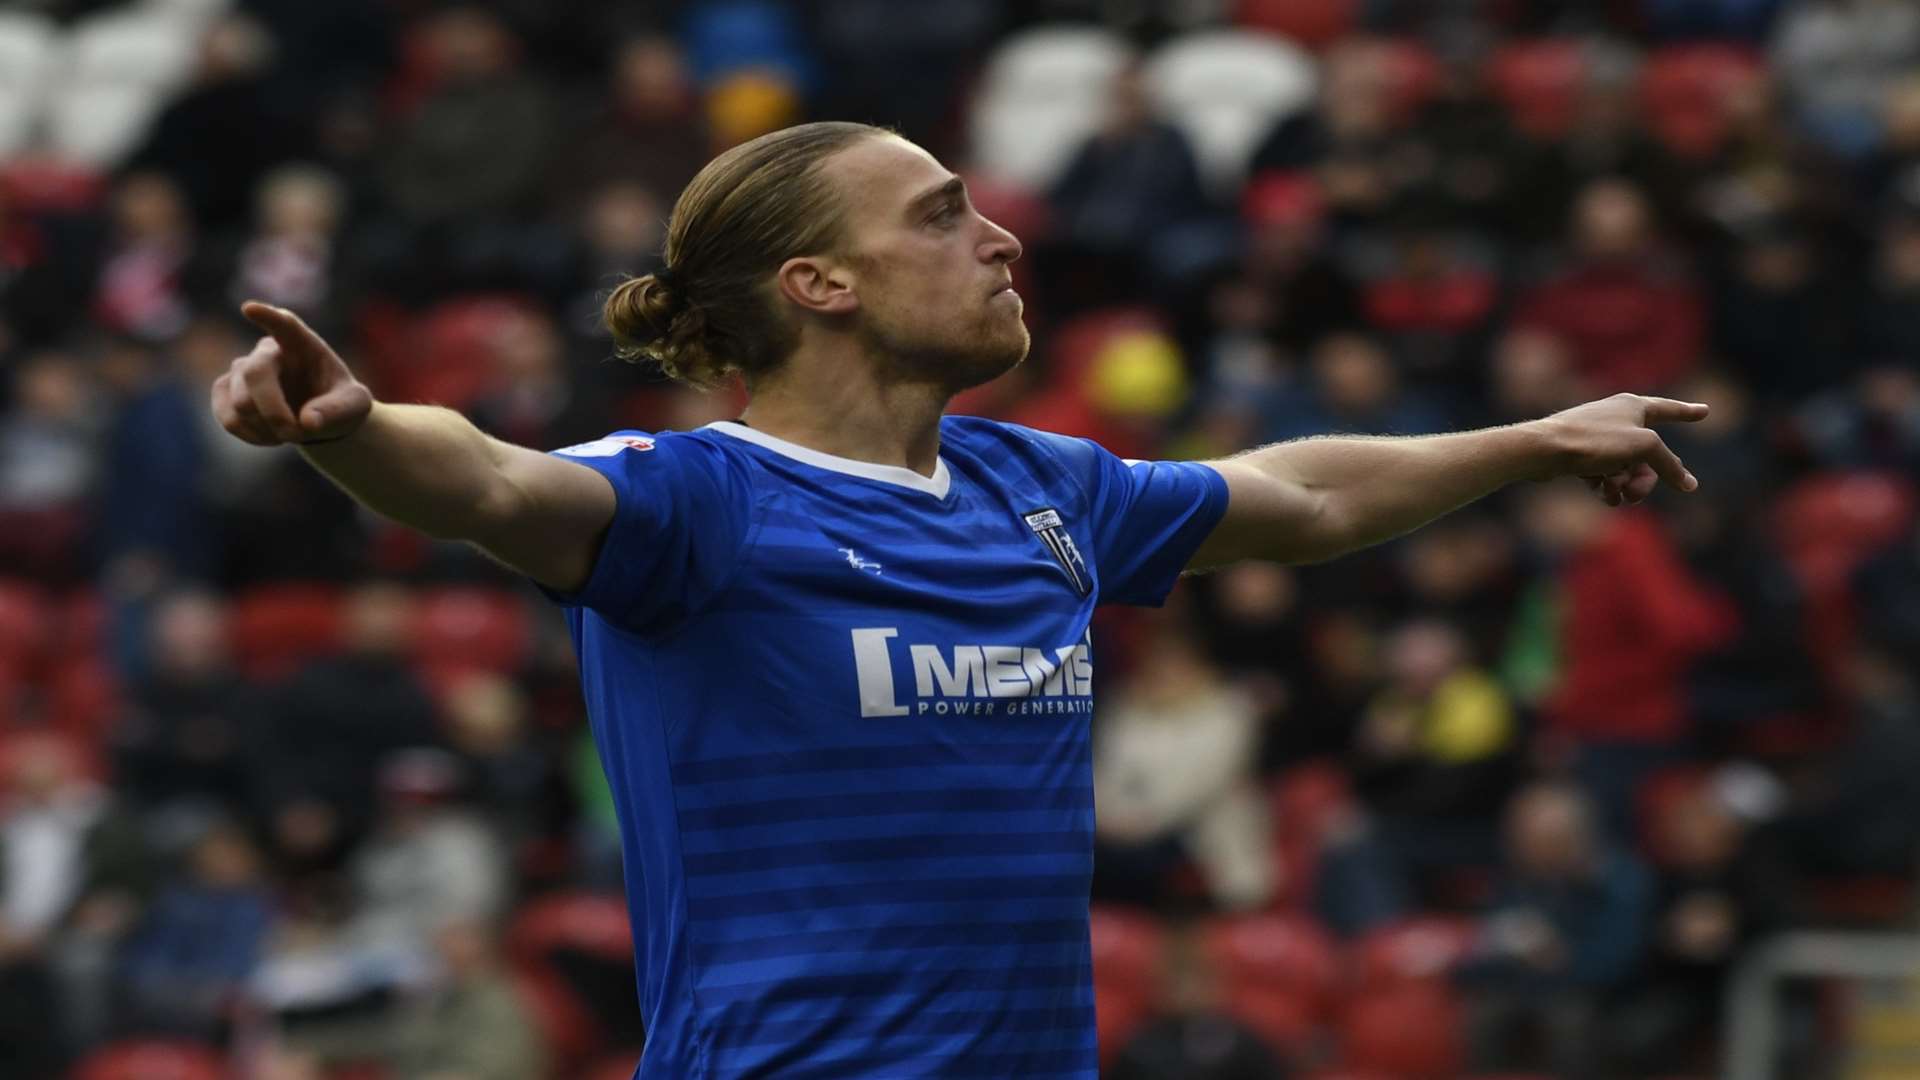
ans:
x=28 y=48
x=99 y=124
x=1054 y=61
x=1225 y=89
x=197 y=12
x=1040 y=96
x=1030 y=144
x=19 y=112
x=139 y=48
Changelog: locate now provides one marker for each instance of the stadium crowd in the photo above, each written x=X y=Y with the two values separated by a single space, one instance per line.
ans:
x=288 y=792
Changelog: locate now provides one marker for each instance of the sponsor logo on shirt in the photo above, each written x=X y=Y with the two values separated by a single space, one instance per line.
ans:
x=608 y=446
x=973 y=679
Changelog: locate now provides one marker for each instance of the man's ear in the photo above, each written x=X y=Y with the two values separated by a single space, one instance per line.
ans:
x=818 y=285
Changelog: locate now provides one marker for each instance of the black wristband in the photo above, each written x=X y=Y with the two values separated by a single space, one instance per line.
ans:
x=323 y=442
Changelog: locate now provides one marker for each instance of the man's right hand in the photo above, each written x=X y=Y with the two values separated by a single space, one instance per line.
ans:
x=292 y=388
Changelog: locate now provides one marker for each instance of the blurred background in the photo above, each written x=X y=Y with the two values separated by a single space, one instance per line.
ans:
x=1543 y=790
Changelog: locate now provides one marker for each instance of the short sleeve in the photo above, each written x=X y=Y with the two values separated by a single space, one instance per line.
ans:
x=682 y=515
x=1147 y=518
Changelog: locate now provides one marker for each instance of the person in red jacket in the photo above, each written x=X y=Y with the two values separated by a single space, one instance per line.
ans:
x=1632 y=316
x=1631 y=621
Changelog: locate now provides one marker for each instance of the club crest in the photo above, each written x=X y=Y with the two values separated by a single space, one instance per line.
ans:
x=1046 y=524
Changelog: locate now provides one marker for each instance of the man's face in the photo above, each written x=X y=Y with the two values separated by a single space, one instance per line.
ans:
x=929 y=271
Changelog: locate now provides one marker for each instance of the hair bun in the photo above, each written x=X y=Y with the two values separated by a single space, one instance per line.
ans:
x=641 y=311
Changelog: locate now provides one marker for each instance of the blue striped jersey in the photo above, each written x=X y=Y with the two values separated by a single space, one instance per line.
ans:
x=844 y=711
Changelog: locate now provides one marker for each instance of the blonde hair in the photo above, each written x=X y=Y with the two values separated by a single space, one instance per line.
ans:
x=710 y=311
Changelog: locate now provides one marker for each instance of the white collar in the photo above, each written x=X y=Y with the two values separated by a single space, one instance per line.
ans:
x=936 y=485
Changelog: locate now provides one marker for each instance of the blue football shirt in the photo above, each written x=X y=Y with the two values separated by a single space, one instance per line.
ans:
x=844 y=711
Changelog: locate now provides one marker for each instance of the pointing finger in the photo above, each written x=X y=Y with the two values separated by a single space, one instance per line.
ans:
x=288 y=329
x=1667 y=410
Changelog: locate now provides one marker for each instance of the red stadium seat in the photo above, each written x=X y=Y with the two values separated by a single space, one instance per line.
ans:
x=277 y=627
x=81 y=625
x=1412 y=1032
x=470 y=629
x=1417 y=950
x=1826 y=527
x=592 y=923
x=1313 y=23
x=83 y=699
x=153 y=1060
x=1129 y=952
x=1307 y=799
x=1412 y=70
x=567 y=1030
x=26 y=618
x=1274 y=949
x=1687 y=92
x=447 y=357
x=1539 y=82
x=1279 y=974
x=617 y=1067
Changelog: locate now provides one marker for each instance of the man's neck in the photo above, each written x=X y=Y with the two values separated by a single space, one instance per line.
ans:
x=851 y=414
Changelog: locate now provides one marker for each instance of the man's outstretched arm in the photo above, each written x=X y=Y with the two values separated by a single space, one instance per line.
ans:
x=422 y=466
x=1314 y=499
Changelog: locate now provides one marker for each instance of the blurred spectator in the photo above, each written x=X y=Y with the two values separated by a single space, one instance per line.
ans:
x=535 y=401
x=428 y=859
x=49 y=462
x=217 y=139
x=156 y=523
x=1873 y=421
x=1478 y=156
x=1566 y=927
x=200 y=941
x=291 y=257
x=1837 y=59
x=1195 y=1037
x=1889 y=326
x=1352 y=388
x=1891 y=168
x=1630 y=314
x=322 y=733
x=1889 y=589
x=1432 y=294
x=148 y=275
x=1779 y=313
x=64 y=854
x=1633 y=620
x=648 y=133
x=181 y=741
x=486 y=725
x=1742 y=20
x=1351 y=140
x=1131 y=181
x=1287 y=291
x=475 y=147
x=468 y=1023
x=1532 y=376
x=1436 y=751
x=1719 y=892
x=905 y=61
x=1173 y=776
x=1857 y=811
x=1604 y=140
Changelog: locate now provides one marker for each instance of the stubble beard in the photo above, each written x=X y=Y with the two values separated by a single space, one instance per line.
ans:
x=991 y=349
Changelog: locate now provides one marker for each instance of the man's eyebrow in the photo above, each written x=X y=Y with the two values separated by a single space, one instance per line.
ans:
x=926 y=200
